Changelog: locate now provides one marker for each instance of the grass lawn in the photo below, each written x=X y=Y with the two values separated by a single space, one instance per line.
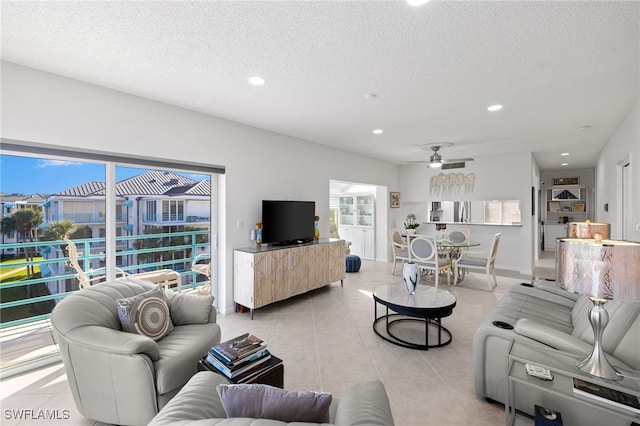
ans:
x=19 y=273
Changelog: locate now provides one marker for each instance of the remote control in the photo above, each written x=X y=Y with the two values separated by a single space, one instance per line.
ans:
x=539 y=372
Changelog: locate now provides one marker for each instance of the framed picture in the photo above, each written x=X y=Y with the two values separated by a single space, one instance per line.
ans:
x=566 y=181
x=554 y=206
x=395 y=200
x=577 y=207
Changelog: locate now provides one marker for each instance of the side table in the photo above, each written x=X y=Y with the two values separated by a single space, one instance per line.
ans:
x=271 y=373
x=524 y=391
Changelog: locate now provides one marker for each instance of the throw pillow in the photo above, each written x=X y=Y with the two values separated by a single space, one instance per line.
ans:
x=260 y=401
x=188 y=308
x=146 y=314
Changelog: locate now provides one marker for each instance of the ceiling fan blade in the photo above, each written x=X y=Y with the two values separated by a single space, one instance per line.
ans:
x=456 y=160
x=458 y=165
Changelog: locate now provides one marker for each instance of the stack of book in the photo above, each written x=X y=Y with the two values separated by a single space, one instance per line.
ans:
x=241 y=358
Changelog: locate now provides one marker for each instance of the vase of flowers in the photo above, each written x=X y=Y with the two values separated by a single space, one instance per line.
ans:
x=316 y=228
x=411 y=224
x=258 y=234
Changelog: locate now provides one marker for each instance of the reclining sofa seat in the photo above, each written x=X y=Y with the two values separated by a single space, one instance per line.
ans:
x=546 y=316
x=119 y=377
x=198 y=403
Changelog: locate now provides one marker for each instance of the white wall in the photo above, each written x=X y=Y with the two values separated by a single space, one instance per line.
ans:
x=624 y=142
x=49 y=109
x=505 y=177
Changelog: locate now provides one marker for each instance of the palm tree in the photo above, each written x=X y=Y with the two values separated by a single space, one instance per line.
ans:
x=57 y=230
x=149 y=243
x=27 y=221
x=7 y=226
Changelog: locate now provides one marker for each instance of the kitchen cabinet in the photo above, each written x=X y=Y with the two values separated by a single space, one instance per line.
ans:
x=356 y=223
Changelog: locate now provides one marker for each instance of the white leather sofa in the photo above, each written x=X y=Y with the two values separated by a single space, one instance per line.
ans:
x=546 y=316
x=125 y=378
x=198 y=403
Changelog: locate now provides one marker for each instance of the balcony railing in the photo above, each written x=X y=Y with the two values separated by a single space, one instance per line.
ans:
x=30 y=297
x=173 y=217
x=85 y=217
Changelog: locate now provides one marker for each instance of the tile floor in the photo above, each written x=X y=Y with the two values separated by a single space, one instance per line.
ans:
x=327 y=343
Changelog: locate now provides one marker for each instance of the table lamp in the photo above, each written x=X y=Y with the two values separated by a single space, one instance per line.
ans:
x=604 y=270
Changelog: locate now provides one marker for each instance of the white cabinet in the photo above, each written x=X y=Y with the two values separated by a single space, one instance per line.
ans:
x=364 y=210
x=356 y=223
x=363 y=240
x=347 y=209
x=269 y=274
x=551 y=233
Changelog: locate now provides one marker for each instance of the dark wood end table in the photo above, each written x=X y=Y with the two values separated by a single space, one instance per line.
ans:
x=271 y=373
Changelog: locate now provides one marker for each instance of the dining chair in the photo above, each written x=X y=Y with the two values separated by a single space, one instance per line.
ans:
x=400 y=249
x=458 y=235
x=424 y=252
x=473 y=260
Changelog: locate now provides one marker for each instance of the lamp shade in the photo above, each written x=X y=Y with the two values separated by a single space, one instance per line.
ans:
x=588 y=229
x=607 y=270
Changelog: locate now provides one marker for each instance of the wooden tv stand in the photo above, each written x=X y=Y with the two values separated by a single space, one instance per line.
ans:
x=270 y=274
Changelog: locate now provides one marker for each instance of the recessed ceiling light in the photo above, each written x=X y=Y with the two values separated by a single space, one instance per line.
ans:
x=256 y=81
x=564 y=154
x=417 y=2
x=370 y=96
x=564 y=164
x=378 y=131
x=493 y=108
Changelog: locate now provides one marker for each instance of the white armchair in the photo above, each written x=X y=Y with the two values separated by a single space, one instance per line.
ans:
x=124 y=378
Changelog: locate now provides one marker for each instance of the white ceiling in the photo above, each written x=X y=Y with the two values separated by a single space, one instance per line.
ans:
x=555 y=66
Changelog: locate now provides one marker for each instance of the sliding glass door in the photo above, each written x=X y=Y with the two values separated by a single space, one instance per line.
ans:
x=124 y=218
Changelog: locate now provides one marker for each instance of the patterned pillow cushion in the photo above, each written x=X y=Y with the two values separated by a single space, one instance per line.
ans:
x=260 y=401
x=146 y=314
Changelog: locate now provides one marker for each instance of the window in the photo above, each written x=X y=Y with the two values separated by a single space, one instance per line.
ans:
x=503 y=212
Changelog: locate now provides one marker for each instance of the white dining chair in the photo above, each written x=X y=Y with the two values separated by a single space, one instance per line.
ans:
x=475 y=260
x=458 y=236
x=400 y=249
x=424 y=252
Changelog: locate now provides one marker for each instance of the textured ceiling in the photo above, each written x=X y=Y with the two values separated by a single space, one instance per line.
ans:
x=555 y=66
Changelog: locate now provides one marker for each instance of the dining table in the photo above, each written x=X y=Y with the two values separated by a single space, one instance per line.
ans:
x=452 y=249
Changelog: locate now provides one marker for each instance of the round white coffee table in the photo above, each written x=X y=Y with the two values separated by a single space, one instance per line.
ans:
x=428 y=305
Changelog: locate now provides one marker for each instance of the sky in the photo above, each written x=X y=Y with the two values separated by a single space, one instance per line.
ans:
x=26 y=175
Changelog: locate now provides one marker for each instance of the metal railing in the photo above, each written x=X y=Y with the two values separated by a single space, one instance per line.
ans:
x=51 y=279
x=173 y=217
x=85 y=217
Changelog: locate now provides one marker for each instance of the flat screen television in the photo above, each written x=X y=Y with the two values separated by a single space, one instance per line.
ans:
x=287 y=222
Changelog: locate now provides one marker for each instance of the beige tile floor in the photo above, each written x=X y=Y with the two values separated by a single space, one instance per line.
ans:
x=327 y=343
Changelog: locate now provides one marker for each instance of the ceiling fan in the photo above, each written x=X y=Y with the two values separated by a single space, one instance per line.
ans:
x=436 y=161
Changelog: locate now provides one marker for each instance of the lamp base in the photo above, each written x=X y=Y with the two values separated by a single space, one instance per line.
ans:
x=597 y=363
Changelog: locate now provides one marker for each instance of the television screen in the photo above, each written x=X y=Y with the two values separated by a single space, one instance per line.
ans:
x=287 y=222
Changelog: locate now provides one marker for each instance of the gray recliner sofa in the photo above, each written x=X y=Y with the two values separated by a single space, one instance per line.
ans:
x=545 y=316
x=125 y=378
x=198 y=403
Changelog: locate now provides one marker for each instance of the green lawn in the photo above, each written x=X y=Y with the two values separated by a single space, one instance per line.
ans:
x=20 y=293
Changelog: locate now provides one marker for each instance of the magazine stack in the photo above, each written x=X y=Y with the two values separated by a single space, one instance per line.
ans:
x=242 y=358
